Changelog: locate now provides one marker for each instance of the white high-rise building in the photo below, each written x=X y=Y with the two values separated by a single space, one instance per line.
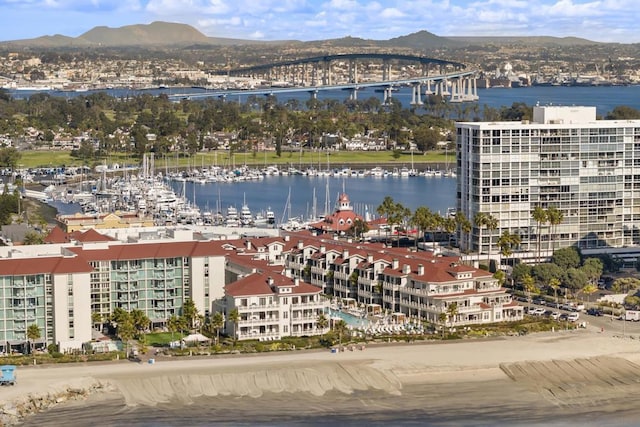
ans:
x=565 y=158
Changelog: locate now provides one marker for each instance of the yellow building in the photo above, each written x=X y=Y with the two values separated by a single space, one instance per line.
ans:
x=79 y=221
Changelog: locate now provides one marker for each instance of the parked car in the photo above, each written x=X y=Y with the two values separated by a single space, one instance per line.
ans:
x=555 y=315
x=540 y=301
x=538 y=311
x=573 y=317
x=595 y=312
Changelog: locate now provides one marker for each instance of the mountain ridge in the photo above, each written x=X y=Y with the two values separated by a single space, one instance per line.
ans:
x=159 y=33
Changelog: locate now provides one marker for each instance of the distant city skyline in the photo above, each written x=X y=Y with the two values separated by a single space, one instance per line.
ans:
x=597 y=20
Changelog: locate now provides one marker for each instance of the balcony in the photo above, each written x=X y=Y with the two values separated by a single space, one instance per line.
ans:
x=304 y=319
x=259 y=321
x=256 y=307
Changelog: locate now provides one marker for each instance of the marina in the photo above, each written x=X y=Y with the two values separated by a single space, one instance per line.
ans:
x=243 y=197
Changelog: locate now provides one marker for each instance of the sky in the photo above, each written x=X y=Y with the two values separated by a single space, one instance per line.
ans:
x=597 y=20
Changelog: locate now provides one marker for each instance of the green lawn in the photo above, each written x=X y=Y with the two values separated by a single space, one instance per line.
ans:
x=161 y=339
x=46 y=158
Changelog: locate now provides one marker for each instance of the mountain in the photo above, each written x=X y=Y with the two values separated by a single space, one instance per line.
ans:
x=524 y=40
x=422 y=40
x=156 y=33
x=168 y=34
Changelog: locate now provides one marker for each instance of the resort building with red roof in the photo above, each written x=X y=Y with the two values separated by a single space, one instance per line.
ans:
x=275 y=283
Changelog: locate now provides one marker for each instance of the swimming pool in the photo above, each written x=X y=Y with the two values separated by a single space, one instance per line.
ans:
x=350 y=319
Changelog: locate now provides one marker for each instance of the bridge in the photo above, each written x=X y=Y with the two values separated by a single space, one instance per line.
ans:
x=352 y=72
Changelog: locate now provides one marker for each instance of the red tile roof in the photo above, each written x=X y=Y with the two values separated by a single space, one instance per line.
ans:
x=258 y=284
x=42 y=265
x=56 y=235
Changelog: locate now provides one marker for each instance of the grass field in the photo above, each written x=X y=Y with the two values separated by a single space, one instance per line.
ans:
x=161 y=339
x=42 y=158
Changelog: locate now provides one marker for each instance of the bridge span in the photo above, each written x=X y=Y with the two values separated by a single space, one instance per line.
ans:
x=458 y=86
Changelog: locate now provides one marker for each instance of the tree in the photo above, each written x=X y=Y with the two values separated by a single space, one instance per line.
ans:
x=520 y=271
x=140 y=320
x=506 y=243
x=33 y=238
x=529 y=286
x=589 y=289
x=555 y=285
x=9 y=157
x=322 y=322
x=546 y=272
x=217 y=323
x=234 y=316
x=190 y=313
x=491 y=224
x=555 y=218
x=501 y=277
x=539 y=216
x=385 y=209
x=452 y=311
x=33 y=333
x=175 y=324
x=126 y=331
x=442 y=318
x=340 y=328
x=358 y=228
x=464 y=225
x=593 y=268
x=566 y=258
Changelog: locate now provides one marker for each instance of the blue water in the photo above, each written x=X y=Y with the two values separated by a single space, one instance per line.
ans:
x=366 y=193
x=349 y=319
x=605 y=98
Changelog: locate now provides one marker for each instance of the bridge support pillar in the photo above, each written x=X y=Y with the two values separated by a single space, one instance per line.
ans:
x=354 y=94
x=416 y=96
x=353 y=71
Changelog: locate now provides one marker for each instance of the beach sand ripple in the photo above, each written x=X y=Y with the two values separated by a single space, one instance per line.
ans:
x=345 y=377
x=578 y=382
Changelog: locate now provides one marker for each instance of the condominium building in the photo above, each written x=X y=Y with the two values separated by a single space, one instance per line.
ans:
x=564 y=158
x=419 y=285
x=274 y=306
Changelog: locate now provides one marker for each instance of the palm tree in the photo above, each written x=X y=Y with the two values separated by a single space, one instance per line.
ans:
x=555 y=218
x=442 y=317
x=190 y=313
x=529 y=285
x=421 y=220
x=234 y=316
x=33 y=333
x=480 y=221
x=555 y=285
x=506 y=243
x=539 y=216
x=386 y=209
x=491 y=224
x=322 y=322
x=464 y=224
x=452 y=311
x=340 y=327
x=217 y=322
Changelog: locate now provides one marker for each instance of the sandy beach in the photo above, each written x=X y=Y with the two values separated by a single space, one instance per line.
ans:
x=564 y=372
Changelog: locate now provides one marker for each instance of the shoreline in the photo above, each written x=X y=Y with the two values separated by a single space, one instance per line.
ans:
x=386 y=368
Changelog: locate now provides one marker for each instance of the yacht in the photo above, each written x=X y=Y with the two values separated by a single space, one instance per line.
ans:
x=271 y=216
x=231 y=219
x=245 y=215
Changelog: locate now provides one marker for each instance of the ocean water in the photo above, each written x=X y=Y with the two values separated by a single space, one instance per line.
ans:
x=604 y=98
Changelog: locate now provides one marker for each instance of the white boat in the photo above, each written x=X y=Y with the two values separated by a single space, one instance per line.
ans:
x=377 y=171
x=246 y=218
x=231 y=219
x=271 y=216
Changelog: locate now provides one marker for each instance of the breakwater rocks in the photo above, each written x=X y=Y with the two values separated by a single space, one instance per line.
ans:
x=15 y=411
